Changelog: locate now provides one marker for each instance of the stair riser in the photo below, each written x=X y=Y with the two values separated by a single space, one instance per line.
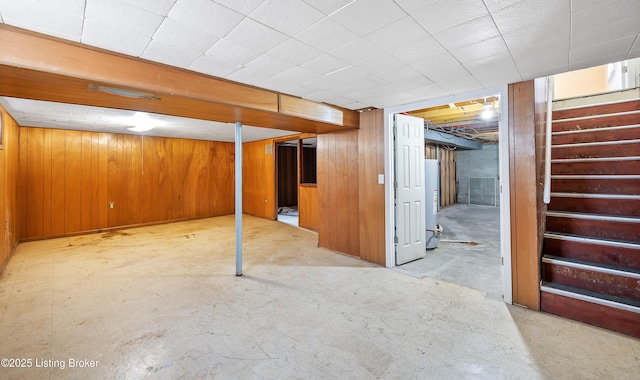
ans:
x=623 y=321
x=599 y=122
x=597 y=110
x=596 y=167
x=616 y=207
x=600 y=229
x=596 y=151
x=594 y=281
x=596 y=186
x=595 y=253
x=597 y=136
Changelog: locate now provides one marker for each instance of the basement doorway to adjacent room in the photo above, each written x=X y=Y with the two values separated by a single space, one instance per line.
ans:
x=287 y=181
x=464 y=136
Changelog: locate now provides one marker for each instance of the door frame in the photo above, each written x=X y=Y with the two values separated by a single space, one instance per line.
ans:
x=503 y=163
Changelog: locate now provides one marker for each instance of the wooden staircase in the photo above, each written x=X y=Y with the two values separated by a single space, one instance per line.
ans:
x=591 y=250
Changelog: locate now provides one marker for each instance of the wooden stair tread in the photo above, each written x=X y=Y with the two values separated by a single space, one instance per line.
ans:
x=632 y=305
x=589 y=265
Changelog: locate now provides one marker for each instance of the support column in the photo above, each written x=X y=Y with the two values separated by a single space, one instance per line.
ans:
x=238 y=198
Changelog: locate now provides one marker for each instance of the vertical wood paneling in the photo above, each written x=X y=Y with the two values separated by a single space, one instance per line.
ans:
x=57 y=182
x=525 y=245
x=371 y=199
x=73 y=181
x=47 y=178
x=338 y=171
x=70 y=177
x=86 y=177
x=103 y=180
x=35 y=178
x=308 y=207
x=12 y=195
x=258 y=177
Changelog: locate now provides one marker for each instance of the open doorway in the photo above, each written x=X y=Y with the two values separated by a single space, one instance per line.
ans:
x=287 y=181
x=467 y=136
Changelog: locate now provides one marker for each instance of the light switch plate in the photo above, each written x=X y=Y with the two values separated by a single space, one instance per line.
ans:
x=380 y=179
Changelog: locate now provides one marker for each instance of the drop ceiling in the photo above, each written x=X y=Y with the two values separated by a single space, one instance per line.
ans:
x=353 y=54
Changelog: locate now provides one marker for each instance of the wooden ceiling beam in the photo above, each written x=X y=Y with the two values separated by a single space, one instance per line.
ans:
x=55 y=61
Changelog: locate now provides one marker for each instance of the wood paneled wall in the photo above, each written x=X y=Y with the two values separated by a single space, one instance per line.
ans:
x=371 y=199
x=524 y=190
x=259 y=179
x=308 y=207
x=287 y=157
x=338 y=196
x=69 y=178
x=9 y=156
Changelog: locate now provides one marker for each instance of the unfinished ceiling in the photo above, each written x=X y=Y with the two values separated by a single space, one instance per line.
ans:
x=475 y=119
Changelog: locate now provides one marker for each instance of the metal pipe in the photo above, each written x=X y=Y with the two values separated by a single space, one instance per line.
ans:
x=547 y=147
x=238 y=198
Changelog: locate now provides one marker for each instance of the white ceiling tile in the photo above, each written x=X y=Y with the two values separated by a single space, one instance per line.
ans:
x=348 y=74
x=397 y=34
x=531 y=12
x=305 y=90
x=617 y=48
x=538 y=71
x=328 y=6
x=206 y=16
x=229 y=54
x=407 y=79
x=496 y=5
x=112 y=38
x=287 y=16
x=170 y=54
x=602 y=34
x=357 y=51
x=322 y=83
x=380 y=63
x=47 y=16
x=445 y=14
x=418 y=50
x=537 y=65
x=466 y=34
x=183 y=37
x=289 y=79
x=244 y=6
x=551 y=29
x=435 y=66
x=364 y=17
x=546 y=48
x=123 y=16
x=325 y=64
x=480 y=50
x=495 y=70
x=294 y=51
x=326 y=35
x=252 y=34
x=260 y=69
x=604 y=13
x=410 y=6
x=368 y=82
x=160 y=7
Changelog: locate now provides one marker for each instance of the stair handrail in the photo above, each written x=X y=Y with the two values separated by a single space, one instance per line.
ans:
x=547 y=148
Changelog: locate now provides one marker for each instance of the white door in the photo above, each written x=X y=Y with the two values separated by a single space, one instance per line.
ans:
x=410 y=188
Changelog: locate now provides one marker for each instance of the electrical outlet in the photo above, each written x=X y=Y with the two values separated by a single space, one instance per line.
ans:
x=112 y=204
x=6 y=225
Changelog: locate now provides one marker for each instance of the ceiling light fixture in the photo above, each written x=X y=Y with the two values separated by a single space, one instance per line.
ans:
x=487 y=111
x=123 y=92
x=142 y=122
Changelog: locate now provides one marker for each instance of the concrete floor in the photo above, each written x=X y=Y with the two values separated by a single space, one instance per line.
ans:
x=163 y=302
x=289 y=216
x=469 y=250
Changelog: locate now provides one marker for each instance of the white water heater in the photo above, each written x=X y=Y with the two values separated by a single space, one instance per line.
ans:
x=433 y=229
